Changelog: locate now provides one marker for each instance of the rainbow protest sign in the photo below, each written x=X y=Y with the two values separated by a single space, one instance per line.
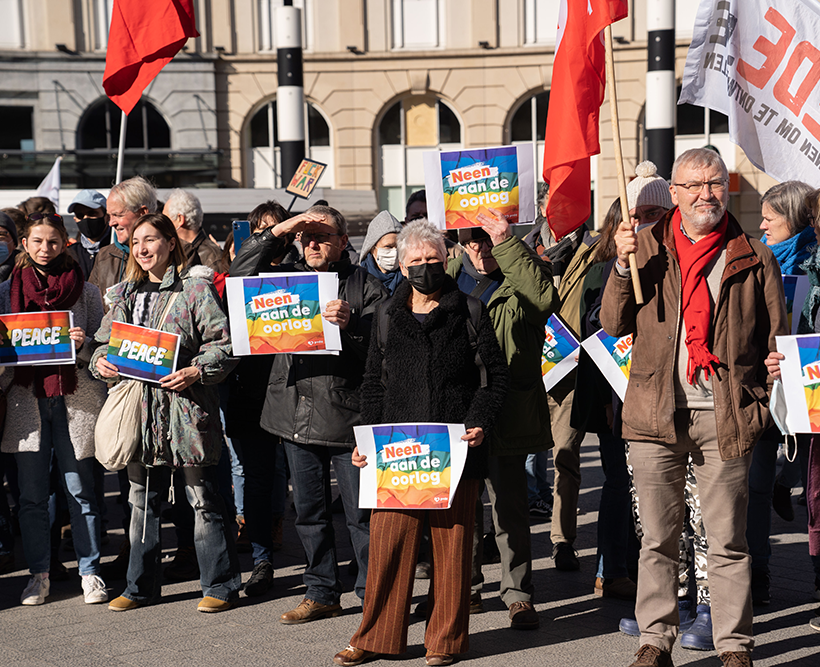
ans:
x=462 y=184
x=28 y=339
x=559 y=355
x=282 y=312
x=410 y=466
x=142 y=353
x=796 y=289
x=613 y=356
x=800 y=373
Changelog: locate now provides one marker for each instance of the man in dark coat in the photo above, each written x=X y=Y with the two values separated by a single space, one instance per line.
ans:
x=312 y=401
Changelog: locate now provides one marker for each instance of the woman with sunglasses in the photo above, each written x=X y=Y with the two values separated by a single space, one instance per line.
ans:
x=54 y=408
x=181 y=430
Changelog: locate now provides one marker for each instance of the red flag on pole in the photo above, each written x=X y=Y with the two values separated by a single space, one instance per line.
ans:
x=144 y=36
x=576 y=95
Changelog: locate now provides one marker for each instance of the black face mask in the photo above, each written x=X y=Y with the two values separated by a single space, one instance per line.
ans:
x=426 y=278
x=53 y=265
x=92 y=228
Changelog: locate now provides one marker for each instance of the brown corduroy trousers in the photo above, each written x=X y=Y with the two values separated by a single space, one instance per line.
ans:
x=394 y=545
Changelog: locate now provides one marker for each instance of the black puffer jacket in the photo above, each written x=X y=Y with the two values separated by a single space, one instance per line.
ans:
x=314 y=399
x=431 y=375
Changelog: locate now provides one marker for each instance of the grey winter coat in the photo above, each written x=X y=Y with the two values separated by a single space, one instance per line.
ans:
x=180 y=429
x=22 y=431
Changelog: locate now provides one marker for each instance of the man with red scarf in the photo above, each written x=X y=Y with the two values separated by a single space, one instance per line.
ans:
x=698 y=386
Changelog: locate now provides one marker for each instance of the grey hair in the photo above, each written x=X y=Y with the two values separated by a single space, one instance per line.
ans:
x=135 y=193
x=417 y=233
x=543 y=193
x=335 y=216
x=182 y=202
x=699 y=158
x=792 y=200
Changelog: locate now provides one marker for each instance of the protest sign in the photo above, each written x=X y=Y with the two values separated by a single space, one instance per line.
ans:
x=796 y=289
x=142 y=353
x=29 y=339
x=305 y=179
x=462 y=184
x=282 y=312
x=800 y=373
x=613 y=356
x=754 y=61
x=559 y=355
x=410 y=466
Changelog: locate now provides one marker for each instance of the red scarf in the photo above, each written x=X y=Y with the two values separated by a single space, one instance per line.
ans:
x=696 y=302
x=30 y=293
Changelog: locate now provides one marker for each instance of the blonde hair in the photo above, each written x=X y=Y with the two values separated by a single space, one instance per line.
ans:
x=133 y=271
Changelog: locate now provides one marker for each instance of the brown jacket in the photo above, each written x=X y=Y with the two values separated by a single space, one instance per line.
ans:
x=203 y=251
x=749 y=313
x=109 y=269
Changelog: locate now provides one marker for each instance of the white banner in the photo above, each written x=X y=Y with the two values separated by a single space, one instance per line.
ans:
x=756 y=61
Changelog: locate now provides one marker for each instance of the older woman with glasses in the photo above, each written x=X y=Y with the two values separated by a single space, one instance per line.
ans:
x=423 y=368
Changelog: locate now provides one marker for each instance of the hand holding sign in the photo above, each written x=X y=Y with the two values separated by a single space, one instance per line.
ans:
x=337 y=312
x=359 y=460
x=497 y=227
x=474 y=436
x=78 y=336
x=181 y=379
x=773 y=364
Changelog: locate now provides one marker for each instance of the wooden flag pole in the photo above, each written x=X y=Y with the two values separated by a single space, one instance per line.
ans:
x=619 y=160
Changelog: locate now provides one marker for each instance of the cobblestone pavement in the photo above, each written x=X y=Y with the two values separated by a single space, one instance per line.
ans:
x=577 y=628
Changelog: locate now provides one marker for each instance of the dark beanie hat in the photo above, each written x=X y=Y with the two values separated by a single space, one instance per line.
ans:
x=8 y=224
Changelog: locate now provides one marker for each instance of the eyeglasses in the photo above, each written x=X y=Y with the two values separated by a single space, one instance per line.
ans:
x=697 y=186
x=306 y=239
x=34 y=217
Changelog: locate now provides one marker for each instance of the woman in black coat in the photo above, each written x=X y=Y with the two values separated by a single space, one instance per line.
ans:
x=422 y=367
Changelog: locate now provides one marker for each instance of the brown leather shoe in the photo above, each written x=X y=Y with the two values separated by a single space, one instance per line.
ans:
x=620 y=588
x=652 y=656
x=438 y=659
x=122 y=604
x=736 y=659
x=353 y=656
x=213 y=605
x=523 y=616
x=309 y=610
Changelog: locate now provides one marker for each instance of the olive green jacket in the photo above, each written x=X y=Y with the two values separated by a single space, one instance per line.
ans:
x=519 y=309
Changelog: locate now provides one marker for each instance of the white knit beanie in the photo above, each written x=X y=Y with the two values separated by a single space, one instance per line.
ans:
x=383 y=223
x=647 y=188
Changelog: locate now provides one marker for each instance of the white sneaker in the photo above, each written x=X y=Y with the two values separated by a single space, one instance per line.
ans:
x=37 y=590
x=94 y=589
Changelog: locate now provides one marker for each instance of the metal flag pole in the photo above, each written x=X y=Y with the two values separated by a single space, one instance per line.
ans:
x=121 y=149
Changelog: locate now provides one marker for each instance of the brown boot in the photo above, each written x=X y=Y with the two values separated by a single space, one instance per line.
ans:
x=652 y=656
x=310 y=610
x=621 y=588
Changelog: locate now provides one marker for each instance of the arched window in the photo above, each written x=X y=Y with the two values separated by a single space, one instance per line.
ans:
x=264 y=164
x=407 y=129
x=100 y=127
x=697 y=127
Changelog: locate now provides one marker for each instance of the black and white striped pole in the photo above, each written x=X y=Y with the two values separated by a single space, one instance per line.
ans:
x=290 y=95
x=661 y=90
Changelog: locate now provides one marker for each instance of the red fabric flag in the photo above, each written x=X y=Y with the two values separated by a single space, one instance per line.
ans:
x=576 y=95
x=143 y=38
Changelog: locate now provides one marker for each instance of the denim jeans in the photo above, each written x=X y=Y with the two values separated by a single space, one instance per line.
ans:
x=259 y=460
x=215 y=549
x=310 y=474
x=615 y=510
x=538 y=486
x=759 y=515
x=77 y=479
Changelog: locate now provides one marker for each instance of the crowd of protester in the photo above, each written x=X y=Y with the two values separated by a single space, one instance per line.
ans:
x=435 y=327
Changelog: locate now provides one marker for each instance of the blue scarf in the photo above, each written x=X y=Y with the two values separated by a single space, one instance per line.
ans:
x=792 y=252
x=390 y=280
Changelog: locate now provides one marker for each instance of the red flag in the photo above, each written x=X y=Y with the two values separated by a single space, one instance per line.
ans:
x=576 y=95
x=144 y=36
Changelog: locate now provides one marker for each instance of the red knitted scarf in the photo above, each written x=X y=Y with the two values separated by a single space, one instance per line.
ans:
x=696 y=303
x=30 y=293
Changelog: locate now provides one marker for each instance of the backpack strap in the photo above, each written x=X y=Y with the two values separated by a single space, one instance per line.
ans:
x=382 y=322
x=474 y=306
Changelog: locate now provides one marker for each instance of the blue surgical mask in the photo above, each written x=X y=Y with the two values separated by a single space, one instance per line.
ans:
x=4 y=252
